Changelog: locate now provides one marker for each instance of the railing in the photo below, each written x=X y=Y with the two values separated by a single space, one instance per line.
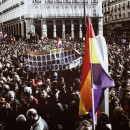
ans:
x=64 y=16
x=10 y=8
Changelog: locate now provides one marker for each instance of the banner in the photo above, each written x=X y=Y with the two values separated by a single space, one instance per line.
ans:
x=54 y=60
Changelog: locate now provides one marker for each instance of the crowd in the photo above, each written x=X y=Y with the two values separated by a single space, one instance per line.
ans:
x=50 y=100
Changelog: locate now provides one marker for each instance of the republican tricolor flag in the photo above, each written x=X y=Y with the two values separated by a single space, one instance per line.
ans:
x=5 y=35
x=45 y=37
x=59 y=43
x=94 y=78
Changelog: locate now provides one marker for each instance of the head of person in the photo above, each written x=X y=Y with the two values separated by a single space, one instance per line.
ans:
x=85 y=125
x=6 y=88
x=32 y=115
x=103 y=119
x=16 y=78
x=11 y=96
x=112 y=93
x=127 y=95
x=55 y=75
x=2 y=103
x=26 y=97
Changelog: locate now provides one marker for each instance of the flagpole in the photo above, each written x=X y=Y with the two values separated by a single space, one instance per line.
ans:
x=93 y=106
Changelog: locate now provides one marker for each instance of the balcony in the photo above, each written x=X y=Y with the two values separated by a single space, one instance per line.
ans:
x=64 y=17
x=36 y=1
x=57 y=1
x=94 y=1
x=49 y=1
x=22 y=2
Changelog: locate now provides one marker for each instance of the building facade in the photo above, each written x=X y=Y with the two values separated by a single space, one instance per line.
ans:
x=116 y=20
x=55 y=18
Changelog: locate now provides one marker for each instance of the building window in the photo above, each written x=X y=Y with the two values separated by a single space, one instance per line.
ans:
x=128 y=14
x=49 y=1
x=49 y=11
x=36 y=1
x=67 y=11
x=67 y=1
x=94 y=10
x=76 y=1
x=58 y=11
x=59 y=1
x=76 y=11
x=37 y=12
x=94 y=1
x=124 y=15
x=115 y=16
x=123 y=6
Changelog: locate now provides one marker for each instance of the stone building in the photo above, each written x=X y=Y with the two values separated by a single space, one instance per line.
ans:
x=55 y=18
x=116 y=20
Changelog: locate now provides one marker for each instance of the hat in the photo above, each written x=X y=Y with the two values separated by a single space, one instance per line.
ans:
x=2 y=100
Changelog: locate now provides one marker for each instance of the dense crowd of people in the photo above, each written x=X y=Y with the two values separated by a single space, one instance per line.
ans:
x=50 y=100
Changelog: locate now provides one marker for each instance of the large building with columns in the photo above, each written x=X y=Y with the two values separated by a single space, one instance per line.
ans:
x=55 y=18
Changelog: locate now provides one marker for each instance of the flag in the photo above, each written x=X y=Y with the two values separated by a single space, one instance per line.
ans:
x=5 y=35
x=94 y=75
x=1 y=34
x=59 y=43
x=45 y=37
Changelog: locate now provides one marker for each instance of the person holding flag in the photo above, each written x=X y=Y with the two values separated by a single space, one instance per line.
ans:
x=95 y=78
x=59 y=43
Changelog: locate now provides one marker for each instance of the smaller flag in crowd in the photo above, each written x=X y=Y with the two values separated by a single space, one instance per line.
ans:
x=5 y=35
x=59 y=43
x=1 y=34
x=45 y=37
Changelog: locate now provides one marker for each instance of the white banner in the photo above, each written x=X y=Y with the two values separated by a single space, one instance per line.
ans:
x=54 y=60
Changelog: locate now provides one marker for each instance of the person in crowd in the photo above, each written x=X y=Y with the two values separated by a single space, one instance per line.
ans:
x=85 y=125
x=127 y=97
x=120 y=119
x=56 y=97
x=21 y=123
x=35 y=121
x=35 y=82
x=103 y=122
x=6 y=89
x=12 y=100
x=29 y=101
x=6 y=115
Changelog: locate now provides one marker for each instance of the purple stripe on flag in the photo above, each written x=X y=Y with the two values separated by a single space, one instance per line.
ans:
x=98 y=97
x=59 y=45
x=100 y=78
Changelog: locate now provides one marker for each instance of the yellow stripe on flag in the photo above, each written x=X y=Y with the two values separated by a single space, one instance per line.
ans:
x=94 y=58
